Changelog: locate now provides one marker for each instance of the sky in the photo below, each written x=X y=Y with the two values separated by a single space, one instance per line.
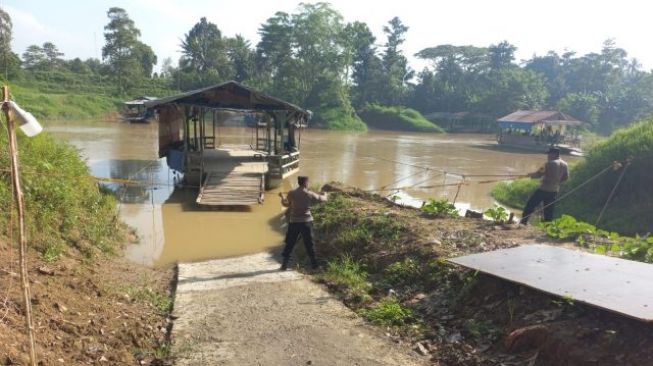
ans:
x=535 y=27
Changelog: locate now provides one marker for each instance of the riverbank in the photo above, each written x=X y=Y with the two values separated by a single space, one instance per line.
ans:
x=387 y=263
x=101 y=311
x=89 y=304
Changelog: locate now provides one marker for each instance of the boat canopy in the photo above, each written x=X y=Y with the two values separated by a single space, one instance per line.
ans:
x=525 y=120
x=231 y=96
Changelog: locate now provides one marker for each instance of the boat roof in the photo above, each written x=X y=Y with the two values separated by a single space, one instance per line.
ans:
x=539 y=117
x=139 y=100
x=229 y=95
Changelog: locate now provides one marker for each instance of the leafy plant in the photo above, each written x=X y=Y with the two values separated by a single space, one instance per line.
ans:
x=440 y=208
x=387 y=312
x=602 y=241
x=498 y=214
x=402 y=271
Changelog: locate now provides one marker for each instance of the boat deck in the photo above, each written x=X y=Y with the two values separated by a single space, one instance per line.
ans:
x=235 y=176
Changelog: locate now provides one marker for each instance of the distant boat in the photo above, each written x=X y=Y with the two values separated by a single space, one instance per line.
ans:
x=136 y=111
x=539 y=130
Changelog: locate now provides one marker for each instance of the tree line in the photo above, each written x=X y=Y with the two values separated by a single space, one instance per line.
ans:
x=313 y=58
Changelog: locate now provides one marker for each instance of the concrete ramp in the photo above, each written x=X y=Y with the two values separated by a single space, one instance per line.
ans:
x=243 y=311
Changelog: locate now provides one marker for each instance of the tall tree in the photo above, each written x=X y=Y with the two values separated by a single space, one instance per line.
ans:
x=129 y=59
x=242 y=57
x=8 y=59
x=145 y=57
x=274 y=54
x=367 y=69
x=304 y=57
x=501 y=55
x=33 y=57
x=395 y=63
x=204 y=54
x=52 y=55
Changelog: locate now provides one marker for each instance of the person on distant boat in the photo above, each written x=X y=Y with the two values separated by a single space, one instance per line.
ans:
x=299 y=202
x=552 y=173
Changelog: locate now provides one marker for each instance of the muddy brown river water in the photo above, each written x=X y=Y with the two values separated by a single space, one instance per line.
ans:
x=172 y=229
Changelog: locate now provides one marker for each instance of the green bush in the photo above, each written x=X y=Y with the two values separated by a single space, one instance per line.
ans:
x=440 y=208
x=587 y=235
x=396 y=118
x=402 y=272
x=338 y=118
x=498 y=214
x=387 y=312
x=64 y=206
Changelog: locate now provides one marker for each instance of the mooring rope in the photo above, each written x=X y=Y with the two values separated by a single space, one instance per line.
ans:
x=614 y=190
x=611 y=166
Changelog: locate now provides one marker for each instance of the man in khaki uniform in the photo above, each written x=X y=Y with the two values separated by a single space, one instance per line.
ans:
x=299 y=201
x=553 y=173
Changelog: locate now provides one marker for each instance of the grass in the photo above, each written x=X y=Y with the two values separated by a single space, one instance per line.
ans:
x=515 y=193
x=162 y=302
x=352 y=232
x=64 y=206
x=349 y=276
x=387 y=312
x=397 y=118
x=402 y=272
x=64 y=105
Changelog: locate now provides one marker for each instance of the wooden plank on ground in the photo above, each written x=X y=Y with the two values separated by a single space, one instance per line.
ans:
x=614 y=284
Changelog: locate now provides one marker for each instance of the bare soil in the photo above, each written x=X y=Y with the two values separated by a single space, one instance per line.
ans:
x=474 y=319
x=104 y=311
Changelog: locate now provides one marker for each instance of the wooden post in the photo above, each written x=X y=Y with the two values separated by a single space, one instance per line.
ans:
x=18 y=197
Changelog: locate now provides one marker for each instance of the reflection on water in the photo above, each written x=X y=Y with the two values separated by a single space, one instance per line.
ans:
x=172 y=228
x=136 y=181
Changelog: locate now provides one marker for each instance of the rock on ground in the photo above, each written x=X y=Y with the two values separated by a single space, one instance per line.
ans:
x=243 y=311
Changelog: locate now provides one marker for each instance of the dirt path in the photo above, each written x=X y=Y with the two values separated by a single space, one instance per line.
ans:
x=243 y=311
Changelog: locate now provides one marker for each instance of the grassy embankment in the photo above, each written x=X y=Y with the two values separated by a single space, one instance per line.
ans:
x=64 y=95
x=74 y=234
x=64 y=105
x=630 y=210
x=387 y=263
x=396 y=118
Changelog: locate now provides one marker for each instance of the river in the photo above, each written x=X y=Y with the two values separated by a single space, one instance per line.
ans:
x=172 y=229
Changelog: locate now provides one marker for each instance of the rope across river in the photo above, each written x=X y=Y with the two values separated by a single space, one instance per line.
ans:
x=500 y=178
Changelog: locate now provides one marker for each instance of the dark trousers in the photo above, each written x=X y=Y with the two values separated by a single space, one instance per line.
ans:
x=539 y=196
x=305 y=229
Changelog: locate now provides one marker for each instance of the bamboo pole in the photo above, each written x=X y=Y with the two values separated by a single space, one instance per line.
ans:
x=18 y=196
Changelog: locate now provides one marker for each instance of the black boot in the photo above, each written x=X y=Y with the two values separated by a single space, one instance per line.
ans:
x=314 y=264
x=284 y=265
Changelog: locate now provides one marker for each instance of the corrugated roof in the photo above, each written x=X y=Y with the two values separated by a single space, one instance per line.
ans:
x=533 y=117
x=229 y=95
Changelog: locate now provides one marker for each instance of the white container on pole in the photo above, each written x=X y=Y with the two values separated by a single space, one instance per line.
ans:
x=26 y=121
